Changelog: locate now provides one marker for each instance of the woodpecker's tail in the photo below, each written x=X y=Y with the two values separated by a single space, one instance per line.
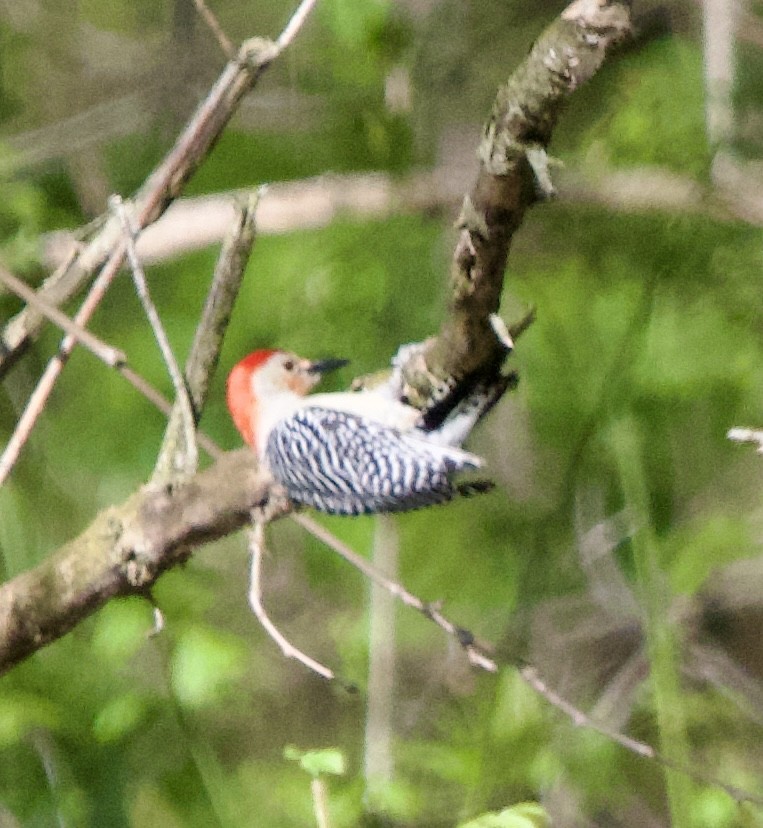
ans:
x=450 y=420
x=474 y=487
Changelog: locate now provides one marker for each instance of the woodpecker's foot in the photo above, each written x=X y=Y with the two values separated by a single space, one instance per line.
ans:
x=276 y=504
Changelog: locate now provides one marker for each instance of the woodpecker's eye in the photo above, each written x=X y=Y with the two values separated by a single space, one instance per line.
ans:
x=289 y=364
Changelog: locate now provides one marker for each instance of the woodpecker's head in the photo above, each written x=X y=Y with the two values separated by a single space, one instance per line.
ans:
x=263 y=378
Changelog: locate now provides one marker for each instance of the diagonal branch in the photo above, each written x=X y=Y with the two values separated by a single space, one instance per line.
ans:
x=513 y=174
x=106 y=353
x=163 y=185
x=186 y=460
x=36 y=403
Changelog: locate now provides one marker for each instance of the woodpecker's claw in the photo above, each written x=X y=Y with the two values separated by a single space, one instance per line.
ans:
x=323 y=366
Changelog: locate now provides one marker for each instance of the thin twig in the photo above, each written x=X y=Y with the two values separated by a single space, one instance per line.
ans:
x=580 y=719
x=105 y=352
x=256 y=549
x=473 y=649
x=216 y=29
x=207 y=343
x=42 y=391
x=159 y=401
x=111 y=356
x=164 y=183
x=378 y=754
x=320 y=802
x=295 y=24
x=228 y=275
x=188 y=459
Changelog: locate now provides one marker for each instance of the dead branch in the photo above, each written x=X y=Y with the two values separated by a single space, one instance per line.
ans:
x=37 y=402
x=161 y=187
x=581 y=719
x=256 y=545
x=208 y=339
x=186 y=461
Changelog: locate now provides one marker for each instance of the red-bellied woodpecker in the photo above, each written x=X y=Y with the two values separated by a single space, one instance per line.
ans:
x=343 y=453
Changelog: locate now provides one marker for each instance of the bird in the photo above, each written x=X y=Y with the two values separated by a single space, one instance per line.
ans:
x=344 y=453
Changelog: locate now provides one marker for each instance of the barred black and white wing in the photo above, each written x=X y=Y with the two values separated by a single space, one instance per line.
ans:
x=344 y=464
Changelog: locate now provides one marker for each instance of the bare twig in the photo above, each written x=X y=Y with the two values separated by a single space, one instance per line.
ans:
x=208 y=339
x=187 y=459
x=320 y=802
x=256 y=549
x=217 y=30
x=44 y=387
x=110 y=355
x=378 y=761
x=163 y=185
x=201 y=360
x=474 y=650
x=105 y=352
x=158 y=620
x=295 y=24
x=581 y=719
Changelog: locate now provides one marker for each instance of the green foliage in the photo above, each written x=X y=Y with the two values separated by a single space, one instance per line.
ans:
x=367 y=36
x=129 y=19
x=23 y=713
x=652 y=320
x=205 y=666
x=121 y=629
x=525 y=815
x=645 y=126
x=120 y=718
x=22 y=217
x=318 y=762
x=693 y=553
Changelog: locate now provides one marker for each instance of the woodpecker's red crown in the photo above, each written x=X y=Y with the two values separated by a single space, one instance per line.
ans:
x=239 y=394
x=265 y=375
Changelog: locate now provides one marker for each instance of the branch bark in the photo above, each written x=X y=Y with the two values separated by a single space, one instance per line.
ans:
x=161 y=187
x=125 y=550
x=128 y=547
x=513 y=175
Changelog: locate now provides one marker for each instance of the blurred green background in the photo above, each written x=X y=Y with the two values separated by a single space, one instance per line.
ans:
x=625 y=529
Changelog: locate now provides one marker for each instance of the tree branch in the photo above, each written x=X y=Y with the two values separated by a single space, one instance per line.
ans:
x=127 y=547
x=513 y=175
x=125 y=550
x=208 y=340
x=160 y=188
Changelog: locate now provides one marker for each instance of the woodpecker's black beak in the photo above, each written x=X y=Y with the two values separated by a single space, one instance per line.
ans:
x=324 y=366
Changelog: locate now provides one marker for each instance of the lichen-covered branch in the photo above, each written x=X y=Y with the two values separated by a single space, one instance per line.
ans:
x=513 y=174
x=126 y=548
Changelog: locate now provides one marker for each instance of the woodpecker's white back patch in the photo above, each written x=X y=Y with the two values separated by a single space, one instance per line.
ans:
x=341 y=463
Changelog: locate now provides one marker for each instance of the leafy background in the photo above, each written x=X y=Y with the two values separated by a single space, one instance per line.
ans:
x=646 y=350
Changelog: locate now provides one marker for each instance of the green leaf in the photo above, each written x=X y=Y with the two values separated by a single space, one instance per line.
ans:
x=524 y=815
x=318 y=762
x=122 y=628
x=351 y=21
